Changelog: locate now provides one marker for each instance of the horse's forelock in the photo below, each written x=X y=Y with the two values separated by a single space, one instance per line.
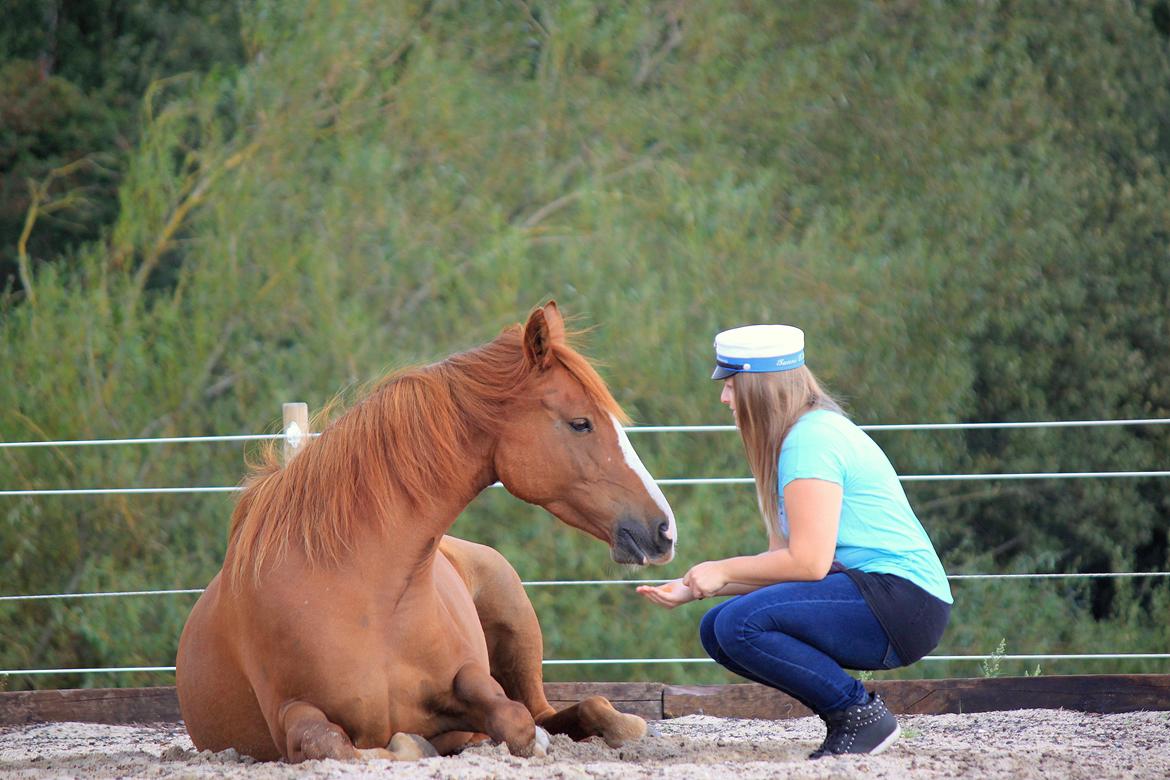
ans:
x=595 y=387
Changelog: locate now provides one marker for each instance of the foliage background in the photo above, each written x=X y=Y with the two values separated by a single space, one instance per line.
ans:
x=207 y=210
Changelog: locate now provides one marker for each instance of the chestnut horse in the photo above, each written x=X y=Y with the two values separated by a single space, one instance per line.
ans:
x=344 y=624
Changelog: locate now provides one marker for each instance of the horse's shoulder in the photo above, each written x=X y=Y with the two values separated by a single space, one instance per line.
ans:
x=476 y=563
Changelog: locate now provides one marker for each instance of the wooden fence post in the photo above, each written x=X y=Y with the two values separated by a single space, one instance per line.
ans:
x=296 y=428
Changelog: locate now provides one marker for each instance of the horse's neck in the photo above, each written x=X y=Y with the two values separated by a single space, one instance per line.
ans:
x=411 y=536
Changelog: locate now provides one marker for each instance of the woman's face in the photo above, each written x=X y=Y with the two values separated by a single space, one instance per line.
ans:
x=728 y=394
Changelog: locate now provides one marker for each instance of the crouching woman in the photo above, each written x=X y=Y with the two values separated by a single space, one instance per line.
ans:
x=850 y=579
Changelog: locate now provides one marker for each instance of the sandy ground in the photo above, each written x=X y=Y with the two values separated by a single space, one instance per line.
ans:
x=1019 y=744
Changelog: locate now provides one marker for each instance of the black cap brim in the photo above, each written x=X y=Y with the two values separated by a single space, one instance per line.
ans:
x=721 y=372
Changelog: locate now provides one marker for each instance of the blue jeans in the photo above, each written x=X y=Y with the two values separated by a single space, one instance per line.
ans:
x=797 y=636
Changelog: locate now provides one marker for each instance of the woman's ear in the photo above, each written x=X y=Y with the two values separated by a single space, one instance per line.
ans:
x=543 y=329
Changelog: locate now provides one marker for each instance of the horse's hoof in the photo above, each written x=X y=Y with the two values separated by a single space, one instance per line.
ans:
x=537 y=748
x=625 y=728
x=540 y=743
x=411 y=747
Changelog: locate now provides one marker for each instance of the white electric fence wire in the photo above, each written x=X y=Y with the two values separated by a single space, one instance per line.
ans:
x=155 y=440
x=916 y=426
x=667 y=481
x=549 y=583
x=679 y=481
x=1042 y=657
x=103 y=594
x=119 y=491
x=617 y=661
x=631 y=429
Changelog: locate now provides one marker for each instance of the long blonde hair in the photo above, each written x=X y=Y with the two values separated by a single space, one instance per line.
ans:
x=767 y=405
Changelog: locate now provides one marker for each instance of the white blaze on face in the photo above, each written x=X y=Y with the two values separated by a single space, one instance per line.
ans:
x=635 y=463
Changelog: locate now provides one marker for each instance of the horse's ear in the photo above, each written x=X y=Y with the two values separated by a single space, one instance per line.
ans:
x=556 y=323
x=544 y=328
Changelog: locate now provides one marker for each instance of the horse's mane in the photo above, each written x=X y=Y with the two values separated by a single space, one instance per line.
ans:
x=401 y=443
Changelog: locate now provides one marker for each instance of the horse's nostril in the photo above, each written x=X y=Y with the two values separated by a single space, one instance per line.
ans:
x=664 y=530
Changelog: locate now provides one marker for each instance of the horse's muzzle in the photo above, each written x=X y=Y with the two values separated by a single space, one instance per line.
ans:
x=639 y=542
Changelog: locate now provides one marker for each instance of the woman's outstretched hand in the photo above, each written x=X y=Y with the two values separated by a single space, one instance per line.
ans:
x=669 y=595
x=706 y=579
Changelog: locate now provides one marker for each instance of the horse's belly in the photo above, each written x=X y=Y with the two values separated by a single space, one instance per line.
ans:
x=215 y=698
x=374 y=666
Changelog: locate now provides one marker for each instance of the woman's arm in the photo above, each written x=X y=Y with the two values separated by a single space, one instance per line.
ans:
x=813 y=507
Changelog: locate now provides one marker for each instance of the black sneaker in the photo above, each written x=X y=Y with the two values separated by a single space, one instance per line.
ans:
x=862 y=728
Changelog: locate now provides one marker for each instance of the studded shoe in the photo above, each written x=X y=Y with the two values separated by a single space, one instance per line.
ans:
x=862 y=728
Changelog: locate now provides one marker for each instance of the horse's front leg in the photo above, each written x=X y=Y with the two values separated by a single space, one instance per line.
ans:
x=595 y=717
x=488 y=709
x=310 y=735
x=515 y=648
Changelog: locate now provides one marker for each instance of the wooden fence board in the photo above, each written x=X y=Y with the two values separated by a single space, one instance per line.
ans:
x=1087 y=693
x=746 y=700
x=90 y=705
x=643 y=699
x=147 y=705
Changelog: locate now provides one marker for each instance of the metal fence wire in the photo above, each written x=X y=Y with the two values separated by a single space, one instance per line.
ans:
x=294 y=435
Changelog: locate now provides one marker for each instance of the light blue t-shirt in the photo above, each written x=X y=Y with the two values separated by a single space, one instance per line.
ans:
x=878 y=531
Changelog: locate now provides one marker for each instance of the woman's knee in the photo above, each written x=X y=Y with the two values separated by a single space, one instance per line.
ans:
x=731 y=628
x=707 y=634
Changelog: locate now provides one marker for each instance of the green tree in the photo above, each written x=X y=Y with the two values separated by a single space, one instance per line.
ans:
x=72 y=79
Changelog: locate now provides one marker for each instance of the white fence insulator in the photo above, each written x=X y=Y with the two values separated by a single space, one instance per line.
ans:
x=295 y=435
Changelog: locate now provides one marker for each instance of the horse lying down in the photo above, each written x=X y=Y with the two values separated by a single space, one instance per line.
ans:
x=344 y=623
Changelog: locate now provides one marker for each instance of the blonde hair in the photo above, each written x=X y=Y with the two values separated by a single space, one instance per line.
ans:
x=767 y=405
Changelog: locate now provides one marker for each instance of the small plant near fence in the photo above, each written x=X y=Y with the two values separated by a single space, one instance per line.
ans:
x=990 y=665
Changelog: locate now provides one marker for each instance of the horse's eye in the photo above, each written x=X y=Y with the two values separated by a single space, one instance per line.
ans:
x=581 y=424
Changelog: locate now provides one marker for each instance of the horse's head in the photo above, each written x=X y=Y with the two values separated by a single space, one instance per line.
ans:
x=562 y=447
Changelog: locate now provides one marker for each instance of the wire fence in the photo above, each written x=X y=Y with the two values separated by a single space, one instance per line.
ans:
x=294 y=435
x=632 y=661
x=596 y=583
x=243 y=437
x=665 y=481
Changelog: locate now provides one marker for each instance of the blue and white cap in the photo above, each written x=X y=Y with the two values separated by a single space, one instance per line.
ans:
x=757 y=349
